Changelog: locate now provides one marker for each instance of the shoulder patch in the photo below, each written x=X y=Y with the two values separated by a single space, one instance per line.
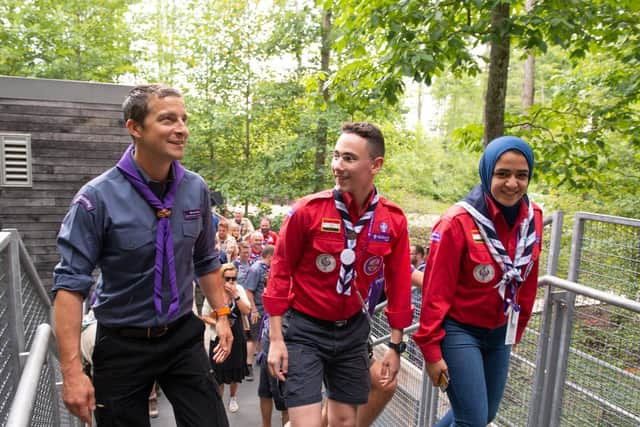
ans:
x=85 y=201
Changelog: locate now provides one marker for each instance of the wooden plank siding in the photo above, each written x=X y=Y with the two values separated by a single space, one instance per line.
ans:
x=77 y=132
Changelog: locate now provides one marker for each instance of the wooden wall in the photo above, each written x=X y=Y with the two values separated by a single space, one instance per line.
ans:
x=77 y=132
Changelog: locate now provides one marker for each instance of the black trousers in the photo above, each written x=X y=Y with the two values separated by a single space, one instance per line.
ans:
x=125 y=369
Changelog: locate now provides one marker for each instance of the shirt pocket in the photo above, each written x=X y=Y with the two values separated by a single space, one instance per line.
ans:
x=131 y=238
x=326 y=254
x=481 y=266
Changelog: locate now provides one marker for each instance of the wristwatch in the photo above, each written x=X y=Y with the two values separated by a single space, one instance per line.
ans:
x=398 y=347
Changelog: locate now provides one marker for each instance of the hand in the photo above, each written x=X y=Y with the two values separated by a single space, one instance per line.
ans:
x=390 y=367
x=434 y=370
x=231 y=290
x=208 y=320
x=254 y=316
x=78 y=395
x=278 y=359
x=225 y=339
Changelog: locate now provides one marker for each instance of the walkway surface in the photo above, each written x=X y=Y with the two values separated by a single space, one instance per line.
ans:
x=247 y=416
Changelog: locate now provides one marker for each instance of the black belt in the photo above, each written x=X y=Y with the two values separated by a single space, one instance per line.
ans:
x=147 y=333
x=328 y=323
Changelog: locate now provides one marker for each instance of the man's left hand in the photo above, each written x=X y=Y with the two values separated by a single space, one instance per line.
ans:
x=390 y=367
x=225 y=339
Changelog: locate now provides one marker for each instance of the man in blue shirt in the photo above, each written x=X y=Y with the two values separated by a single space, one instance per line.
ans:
x=146 y=223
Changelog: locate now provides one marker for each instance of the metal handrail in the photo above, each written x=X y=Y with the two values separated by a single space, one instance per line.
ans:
x=577 y=288
x=23 y=401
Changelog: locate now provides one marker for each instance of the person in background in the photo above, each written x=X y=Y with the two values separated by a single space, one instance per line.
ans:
x=232 y=370
x=255 y=285
x=480 y=284
x=234 y=230
x=418 y=257
x=269 y=237
x=246 y=227
x=255 y=240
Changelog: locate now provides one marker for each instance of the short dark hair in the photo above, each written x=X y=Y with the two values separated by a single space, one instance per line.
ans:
x=267 y=250
x=136 y=105
x=371 y=133
x=420 y=250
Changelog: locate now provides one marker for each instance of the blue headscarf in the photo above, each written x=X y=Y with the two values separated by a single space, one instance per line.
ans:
x=492 y=153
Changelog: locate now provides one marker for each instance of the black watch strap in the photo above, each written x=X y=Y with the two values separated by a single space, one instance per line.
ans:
x=398 y=347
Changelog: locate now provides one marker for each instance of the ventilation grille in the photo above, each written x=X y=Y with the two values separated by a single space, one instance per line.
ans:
x=15 y=160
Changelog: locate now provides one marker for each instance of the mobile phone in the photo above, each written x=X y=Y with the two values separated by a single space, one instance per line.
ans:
x=443 y=381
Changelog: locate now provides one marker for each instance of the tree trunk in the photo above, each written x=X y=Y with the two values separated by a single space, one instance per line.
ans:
x=528 y=85
x=498 y=73
x=321 y=134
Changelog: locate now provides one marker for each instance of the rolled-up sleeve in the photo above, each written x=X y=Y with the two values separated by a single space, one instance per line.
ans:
x=79 y=242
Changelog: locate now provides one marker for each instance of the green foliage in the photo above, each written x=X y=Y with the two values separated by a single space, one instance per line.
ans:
x=79 y=40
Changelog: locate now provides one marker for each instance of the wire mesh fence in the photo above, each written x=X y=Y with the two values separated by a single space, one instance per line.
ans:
x=603 y=372
x=9 y=372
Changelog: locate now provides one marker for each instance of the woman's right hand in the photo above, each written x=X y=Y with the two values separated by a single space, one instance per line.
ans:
x=434 y=370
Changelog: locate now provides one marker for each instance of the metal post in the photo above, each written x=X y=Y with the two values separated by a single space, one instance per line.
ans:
x=542 y=357
x=565 y=325
x=14 y=293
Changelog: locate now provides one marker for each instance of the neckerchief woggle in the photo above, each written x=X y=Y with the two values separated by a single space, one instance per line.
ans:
x=164 y=239
x=348 y=254
x=514 y=271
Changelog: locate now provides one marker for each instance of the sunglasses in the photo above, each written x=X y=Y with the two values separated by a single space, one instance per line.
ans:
x=230 y=279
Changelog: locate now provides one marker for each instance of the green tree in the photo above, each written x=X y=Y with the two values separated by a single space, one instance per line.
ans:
x=77 y=40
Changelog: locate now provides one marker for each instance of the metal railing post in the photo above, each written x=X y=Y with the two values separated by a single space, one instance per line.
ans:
x=14 y=294
x=564 y=325
x=541 y=375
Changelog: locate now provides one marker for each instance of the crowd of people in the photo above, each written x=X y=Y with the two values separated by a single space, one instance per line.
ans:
x=298 y=303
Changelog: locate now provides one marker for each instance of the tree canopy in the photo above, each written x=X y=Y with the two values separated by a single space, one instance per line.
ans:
x=269 y=83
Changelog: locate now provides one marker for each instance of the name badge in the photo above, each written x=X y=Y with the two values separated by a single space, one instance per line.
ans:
x=512 y=327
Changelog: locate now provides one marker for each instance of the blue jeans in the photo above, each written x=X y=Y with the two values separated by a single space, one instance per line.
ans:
x=478 y=362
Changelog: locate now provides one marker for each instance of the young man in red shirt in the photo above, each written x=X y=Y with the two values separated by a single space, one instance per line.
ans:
x=331 y=248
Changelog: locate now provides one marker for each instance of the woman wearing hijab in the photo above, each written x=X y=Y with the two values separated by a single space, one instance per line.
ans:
x=481 y=283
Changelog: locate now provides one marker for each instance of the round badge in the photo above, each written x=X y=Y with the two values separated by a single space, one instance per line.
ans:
x=372 y=265
x=484 y=273
x=347 y=256
x=326 y=263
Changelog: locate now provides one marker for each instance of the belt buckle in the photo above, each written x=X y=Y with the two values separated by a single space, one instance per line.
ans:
x=340 y=323
x=160 y=331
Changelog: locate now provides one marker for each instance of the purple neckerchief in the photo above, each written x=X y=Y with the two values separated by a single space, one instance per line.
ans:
x=164 y=239
x=375 y=290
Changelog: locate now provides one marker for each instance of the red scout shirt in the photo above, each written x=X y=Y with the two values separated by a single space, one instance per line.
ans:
x=270 y=239
x=306 y=264
x=461 y=275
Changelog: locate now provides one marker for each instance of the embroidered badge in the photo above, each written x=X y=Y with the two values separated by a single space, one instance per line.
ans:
x=384 y=227
x=326 y=263
x=484 y=273
x=191 y=214
x=372 y=265
x=332 y=225
x=476 y=236
x=85 y=201
x=435 y=236
x=381 y=237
